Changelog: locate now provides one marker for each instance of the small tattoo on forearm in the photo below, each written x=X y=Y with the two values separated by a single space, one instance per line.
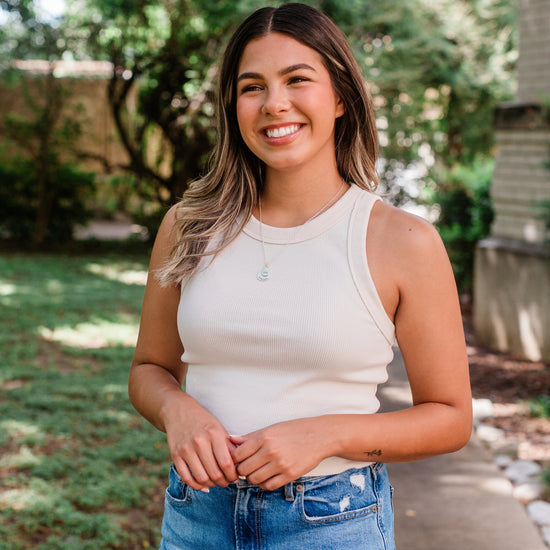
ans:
x=375 y=452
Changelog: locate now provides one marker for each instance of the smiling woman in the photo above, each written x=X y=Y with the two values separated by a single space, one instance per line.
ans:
x=277 y=433
x=287 y=106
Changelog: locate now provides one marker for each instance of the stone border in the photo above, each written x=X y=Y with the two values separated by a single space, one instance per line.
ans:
x=525 y=475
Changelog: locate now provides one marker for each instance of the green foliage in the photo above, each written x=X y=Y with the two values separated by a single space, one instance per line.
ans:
x=540 y=407
x=461 y=195
x=43 y=195
x=27 y=33
x=168 y=51
x=436 y=71
x=546 y=480
x=80 y=468
x=19 y=200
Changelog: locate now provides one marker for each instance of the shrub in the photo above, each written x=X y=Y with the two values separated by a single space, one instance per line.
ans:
x=462 y=198
x=540 y=407
x=19 y=201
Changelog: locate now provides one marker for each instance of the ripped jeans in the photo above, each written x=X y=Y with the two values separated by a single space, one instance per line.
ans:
x=348 y=511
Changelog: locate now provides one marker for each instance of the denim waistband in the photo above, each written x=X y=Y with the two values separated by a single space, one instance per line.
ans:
x=290 y=489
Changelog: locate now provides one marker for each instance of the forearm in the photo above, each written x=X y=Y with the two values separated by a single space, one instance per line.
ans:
x=153 y=391
x=418 y=432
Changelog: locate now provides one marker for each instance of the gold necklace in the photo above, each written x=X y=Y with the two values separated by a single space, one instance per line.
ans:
x=264 y=274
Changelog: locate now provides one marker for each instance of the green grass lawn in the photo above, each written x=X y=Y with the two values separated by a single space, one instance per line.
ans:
x=79 y=468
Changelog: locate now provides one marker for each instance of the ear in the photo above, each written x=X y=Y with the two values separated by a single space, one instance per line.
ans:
x=340 y=108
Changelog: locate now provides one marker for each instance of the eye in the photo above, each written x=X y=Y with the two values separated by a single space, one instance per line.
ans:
x=297 y=79
x=251 y=88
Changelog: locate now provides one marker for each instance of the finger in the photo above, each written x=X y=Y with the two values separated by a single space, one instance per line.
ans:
x=230 y=447
x=262 y=474
x=226 y=466
x=186 y=476
x=256 y=463
x=246 y=449
x=214 y=458
x=237 y=439
x=275 y=482
x=197 y=466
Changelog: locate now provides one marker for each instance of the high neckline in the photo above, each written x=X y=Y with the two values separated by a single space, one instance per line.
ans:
x=310 y=230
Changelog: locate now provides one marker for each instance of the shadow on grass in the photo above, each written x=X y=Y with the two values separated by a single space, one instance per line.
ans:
x=79 y=467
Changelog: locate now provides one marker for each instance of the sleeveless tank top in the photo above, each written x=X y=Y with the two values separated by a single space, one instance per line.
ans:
x=312 y=340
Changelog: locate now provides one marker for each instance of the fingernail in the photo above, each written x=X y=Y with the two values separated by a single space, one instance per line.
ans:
x=205 y=490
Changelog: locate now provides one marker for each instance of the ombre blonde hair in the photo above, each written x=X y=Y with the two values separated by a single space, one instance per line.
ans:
x=221 y=203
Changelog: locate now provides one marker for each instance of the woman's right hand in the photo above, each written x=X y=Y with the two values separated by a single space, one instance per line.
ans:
x=199 y=445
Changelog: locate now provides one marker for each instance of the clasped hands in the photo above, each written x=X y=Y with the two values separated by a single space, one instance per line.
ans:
x=208 y=456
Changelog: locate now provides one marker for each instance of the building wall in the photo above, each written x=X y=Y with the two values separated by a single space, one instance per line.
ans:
x=520 y=181
x=512 y=267
x=86 y=102
x=512 y=298
x=534 y=44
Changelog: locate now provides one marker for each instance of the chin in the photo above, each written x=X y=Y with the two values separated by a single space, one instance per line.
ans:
x=283 y=165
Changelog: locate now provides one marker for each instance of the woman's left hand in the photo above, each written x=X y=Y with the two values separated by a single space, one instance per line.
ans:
x=280 y=453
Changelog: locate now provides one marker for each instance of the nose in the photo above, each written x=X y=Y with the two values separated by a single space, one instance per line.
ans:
x=276 y=101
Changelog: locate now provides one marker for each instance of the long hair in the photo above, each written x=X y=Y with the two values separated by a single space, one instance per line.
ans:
x=221 y=203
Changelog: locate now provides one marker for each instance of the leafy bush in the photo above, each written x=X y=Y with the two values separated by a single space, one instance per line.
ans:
x=19 y=200
x=461 y=195
x=540 y=407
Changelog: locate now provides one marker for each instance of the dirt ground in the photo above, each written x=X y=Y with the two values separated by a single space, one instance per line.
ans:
x=510 y=383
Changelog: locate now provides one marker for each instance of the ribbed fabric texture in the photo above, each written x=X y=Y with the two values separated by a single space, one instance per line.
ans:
x=314 y=339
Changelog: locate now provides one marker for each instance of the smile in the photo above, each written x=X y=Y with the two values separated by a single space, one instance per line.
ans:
x=283 y=131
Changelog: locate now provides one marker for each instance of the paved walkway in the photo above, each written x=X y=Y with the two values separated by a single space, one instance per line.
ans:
x=109 y=230
x=459 y=501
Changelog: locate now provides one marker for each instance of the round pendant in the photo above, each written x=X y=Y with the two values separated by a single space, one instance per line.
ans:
x=263 y=274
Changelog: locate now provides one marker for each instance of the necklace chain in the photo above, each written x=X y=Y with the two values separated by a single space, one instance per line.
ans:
x=263 y=274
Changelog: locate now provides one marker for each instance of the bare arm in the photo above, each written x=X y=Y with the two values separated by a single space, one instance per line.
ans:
x=416 y=284
x=429 y=332
x=198 y=443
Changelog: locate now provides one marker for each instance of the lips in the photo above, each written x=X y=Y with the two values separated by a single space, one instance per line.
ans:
x=282 y=131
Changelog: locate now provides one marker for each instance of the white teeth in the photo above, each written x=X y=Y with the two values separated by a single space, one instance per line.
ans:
x=280 y=132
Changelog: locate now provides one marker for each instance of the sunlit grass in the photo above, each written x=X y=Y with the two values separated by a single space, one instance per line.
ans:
x=89 y=335
x=79 y=468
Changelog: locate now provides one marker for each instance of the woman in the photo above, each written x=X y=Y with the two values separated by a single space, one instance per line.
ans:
x=262 y=300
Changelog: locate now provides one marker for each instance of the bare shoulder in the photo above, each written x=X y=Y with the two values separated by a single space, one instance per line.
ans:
x=403 y=228
x=165 y=239
x=405 y=253
x=403 y=237
x=167 y=226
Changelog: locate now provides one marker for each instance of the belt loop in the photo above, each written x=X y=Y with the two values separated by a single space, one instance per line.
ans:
x=289 y=491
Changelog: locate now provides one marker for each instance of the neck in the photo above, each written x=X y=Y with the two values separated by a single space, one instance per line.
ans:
x=288 y=200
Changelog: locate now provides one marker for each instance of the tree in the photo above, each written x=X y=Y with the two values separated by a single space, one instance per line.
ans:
x=42 y=193
x=436 y=71
x=169 y=50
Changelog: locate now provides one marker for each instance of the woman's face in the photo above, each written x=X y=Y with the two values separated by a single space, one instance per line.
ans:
x=286 y=104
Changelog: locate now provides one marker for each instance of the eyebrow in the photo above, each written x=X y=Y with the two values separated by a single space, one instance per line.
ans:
x=282 y=72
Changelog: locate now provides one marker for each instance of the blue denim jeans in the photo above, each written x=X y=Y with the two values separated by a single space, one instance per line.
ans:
x=348 y=511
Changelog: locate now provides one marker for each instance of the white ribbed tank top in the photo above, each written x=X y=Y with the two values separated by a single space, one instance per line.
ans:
x=312 y=340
